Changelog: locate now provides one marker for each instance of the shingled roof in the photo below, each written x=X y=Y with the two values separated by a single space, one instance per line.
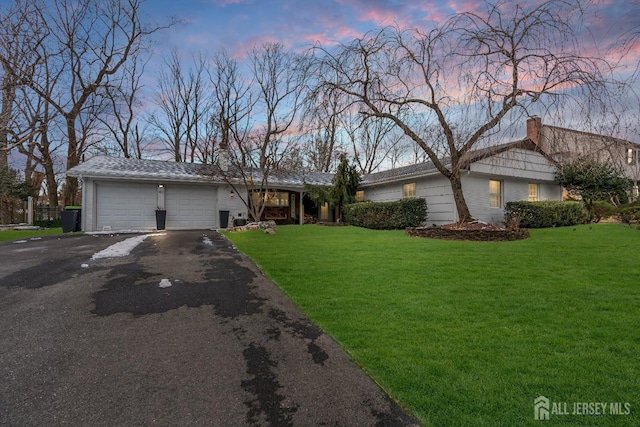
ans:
x=157 y=170
x=428 y=168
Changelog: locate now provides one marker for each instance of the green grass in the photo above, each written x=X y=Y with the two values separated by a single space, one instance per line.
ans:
x=470 y=333
x=8 y=235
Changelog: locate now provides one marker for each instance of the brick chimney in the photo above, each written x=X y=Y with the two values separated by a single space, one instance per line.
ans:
x=534 y=128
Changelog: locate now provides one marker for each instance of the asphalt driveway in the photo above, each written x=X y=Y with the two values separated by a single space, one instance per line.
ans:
x=183 y=331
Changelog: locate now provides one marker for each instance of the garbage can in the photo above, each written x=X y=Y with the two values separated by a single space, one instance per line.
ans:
x=71 y=218
x=224 y=219
x=161 y=219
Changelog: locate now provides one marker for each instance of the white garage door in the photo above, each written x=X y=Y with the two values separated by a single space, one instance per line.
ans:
x=126 y=206
x=190 y=207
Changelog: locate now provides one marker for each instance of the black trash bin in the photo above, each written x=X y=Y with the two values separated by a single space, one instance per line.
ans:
x=161 y=219
x=224 y=219
x=71 y=218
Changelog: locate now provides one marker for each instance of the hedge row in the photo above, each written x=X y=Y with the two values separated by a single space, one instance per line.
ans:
x=544 y=214
x=396 y=215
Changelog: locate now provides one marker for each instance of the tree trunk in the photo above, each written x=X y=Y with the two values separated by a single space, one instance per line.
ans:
x=458 y=196
x=70 y=196
x=6 y=114
x=49 y=172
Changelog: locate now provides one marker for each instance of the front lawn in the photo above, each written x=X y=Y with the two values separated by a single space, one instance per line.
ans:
x=8 y=235
x=464 y=333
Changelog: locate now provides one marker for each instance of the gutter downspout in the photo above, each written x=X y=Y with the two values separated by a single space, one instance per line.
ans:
x=83 y=215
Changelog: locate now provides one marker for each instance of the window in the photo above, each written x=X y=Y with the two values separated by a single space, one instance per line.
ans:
x=632 y=156
x=360 y=196
x=533 y=192
x=409 y=190
x=495 y=194
x=273 y=198
x=324 y=212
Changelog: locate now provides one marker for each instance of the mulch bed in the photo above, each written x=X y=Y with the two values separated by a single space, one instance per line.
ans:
x=470 y=231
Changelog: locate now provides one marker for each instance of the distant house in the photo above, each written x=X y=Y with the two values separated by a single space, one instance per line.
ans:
x=493 y=176
x=564 y=145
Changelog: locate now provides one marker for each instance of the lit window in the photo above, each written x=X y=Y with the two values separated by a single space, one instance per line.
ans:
x=409 y=190
x=360 y=196
x=324 y=212
x=533 y=192
x=273 y=198
x=630 y=156
x=495 y=194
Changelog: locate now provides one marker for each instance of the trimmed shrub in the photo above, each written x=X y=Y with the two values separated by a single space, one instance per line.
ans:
x=387 y=215
x=544 y=214
x=602 y=210
x=629 y=213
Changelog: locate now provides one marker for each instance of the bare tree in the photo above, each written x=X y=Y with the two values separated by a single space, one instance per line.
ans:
x=171 y=92
x=20 y=34
x=198 y=122
x=256 y=117
x=279 y=77
x=474 y=68
x=322 y=112
x=122 y=95
x=184 y=109
x=373 y=140
x=232 y=108
x=40 y=148
x=87 y=44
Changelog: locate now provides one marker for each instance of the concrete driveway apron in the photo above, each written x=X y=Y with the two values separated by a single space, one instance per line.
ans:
x=183 y=331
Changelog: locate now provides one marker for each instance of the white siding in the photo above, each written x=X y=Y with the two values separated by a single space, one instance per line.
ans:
x=515 y=169
x=518 y=163
x=476 y=192
x=234 y=204
x=435 y=189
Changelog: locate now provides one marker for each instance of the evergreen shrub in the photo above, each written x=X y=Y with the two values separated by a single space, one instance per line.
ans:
x=396 y=215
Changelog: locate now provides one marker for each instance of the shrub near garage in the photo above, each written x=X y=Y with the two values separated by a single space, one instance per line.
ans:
x=544 y=214
x=396 y=215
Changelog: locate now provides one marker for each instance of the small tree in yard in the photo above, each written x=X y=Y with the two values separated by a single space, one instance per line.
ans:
x=345 y=183
x=343 y=189
x=593 y=181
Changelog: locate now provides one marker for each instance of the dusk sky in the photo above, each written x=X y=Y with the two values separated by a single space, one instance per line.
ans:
x=239 y=25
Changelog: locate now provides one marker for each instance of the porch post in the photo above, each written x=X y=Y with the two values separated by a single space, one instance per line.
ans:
x=301 y=216
x=30 y=210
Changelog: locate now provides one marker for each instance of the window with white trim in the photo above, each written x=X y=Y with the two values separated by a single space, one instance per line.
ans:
x=534 y=189
x=409 y=190
x=495 y=194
